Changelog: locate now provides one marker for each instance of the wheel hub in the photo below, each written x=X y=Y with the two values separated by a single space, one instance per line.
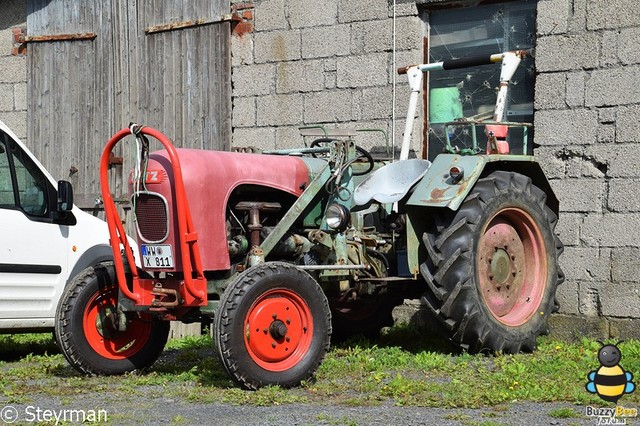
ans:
x=501 y=266
x=106 y=322
x=278 y=330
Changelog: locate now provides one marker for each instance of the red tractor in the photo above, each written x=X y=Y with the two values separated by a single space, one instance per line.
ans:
x=280 y=250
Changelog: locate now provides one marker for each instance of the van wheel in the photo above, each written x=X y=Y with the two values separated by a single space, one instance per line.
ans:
x=88 y=327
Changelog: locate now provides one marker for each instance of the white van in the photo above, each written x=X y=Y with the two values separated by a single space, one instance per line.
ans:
x=45 y=241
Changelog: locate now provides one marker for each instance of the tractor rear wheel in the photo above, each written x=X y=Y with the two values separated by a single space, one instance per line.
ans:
x=273 y=326
x=493 y=270
x=88 y=327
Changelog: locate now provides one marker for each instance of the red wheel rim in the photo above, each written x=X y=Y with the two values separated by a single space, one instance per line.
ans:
x=512 y=266
x=100 y=322
x=278 y=330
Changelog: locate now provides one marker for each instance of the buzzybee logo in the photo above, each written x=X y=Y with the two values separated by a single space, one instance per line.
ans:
x=610 y=381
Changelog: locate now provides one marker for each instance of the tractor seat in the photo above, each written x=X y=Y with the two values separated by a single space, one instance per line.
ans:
x=392 y=182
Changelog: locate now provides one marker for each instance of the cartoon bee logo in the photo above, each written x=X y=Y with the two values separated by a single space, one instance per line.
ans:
x=610 y=381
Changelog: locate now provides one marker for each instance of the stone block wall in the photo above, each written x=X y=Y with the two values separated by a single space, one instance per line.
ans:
x=587 y=101
x=13 y=66
x=300 y=63
x=305 y=62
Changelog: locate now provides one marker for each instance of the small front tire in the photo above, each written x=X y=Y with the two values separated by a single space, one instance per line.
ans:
x=88 y=322
x=273 y=326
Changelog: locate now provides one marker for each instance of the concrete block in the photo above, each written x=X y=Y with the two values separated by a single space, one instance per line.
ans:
x=289 y=137
x=326 y=41
x=270 y=15
x=16 y=121
x=13 y=69
x=404 y=9
x=550 y=91
x=241 y=50
x=586 y=263
x=568 y=228
x=615 y=159
x=628 y=47
x=409 y=33
x=277 y=46
x=279 y=109
x=611 y=87
x=607 y=115
x=251 y=80
x=312 y=13
x=621 y=299
x=300 y=76
x=567 y=297
x=612 y=14
x=244 y=112
x=258 y=137
x=627 y=123
x=624 y=328
x=589 y=298
x=609 y=49
x=6 y=42
x=624 y=195
x=328 y=106
x=611 y=230
x=376 y=36
x=607 y=133
x=6 y=97
x=575 y=52
x=376 y=103
x=573 y=328
x=549 y=158
x=362 y=71
x=362 y=10
x=575 y=89
x=578 y=20
x=625 y=264
x=20 y=96
x=553 y=16
x=330 y=80
x=566 y=127
x=579 y=165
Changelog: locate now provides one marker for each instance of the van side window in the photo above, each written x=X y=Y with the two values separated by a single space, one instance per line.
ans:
x=7 y=197
x=22 y=184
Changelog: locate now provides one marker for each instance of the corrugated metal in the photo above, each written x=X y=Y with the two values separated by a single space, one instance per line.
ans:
x=81 y=92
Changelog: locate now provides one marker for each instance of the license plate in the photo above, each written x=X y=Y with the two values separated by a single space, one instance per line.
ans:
x=157 y=256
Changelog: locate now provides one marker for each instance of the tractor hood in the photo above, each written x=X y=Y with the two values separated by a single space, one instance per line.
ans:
x=209 y=179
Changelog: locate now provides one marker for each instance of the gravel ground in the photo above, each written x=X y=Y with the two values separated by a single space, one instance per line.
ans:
x=163 y=411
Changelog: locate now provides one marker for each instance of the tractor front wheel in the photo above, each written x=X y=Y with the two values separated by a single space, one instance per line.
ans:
x=493 y=270
x=95 y=337
x=273 y=326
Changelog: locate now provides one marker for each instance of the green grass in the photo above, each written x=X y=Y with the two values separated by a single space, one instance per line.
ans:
x=403 y=367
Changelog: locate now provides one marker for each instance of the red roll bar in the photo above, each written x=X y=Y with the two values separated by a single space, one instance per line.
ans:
x=186 y=233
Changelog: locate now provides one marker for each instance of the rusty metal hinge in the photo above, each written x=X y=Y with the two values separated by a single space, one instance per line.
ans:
x=60 y=37
x=190 y=24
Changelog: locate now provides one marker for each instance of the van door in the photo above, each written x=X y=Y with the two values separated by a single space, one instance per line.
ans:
x=33 y=248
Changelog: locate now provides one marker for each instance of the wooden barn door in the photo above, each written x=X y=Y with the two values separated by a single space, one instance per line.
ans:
x=95 y=66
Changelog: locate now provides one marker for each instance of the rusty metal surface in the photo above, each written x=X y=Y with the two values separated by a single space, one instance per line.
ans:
x=188 y=24
x=60 y=37
x=436 y=189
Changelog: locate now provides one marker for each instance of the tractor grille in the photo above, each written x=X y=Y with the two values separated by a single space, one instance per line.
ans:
x=151 y=216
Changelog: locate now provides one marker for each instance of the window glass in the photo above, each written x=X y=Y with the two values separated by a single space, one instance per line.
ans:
x=471 y=92
x=7 y=198
x=32 y=185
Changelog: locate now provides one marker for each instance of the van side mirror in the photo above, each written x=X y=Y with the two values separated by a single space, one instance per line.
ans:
x=65 y=196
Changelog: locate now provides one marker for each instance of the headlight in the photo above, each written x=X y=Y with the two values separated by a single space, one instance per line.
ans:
x=337 y=217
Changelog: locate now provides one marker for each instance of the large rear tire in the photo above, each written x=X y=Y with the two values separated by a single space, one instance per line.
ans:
x=273 y=326
x=87 y=330
x=493 y=270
